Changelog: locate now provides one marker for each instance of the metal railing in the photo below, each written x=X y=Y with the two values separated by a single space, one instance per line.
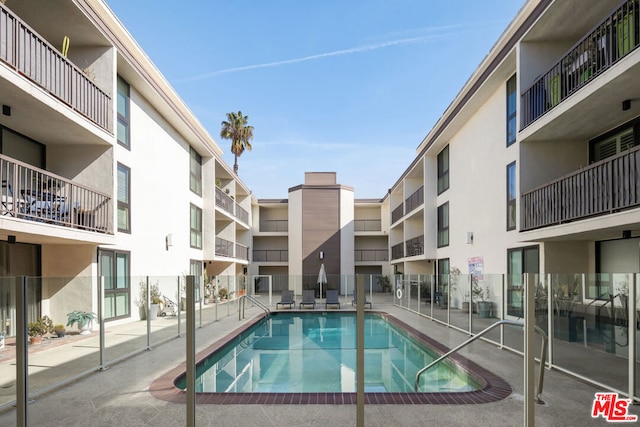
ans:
x=371 y=255
x=415 y=246
x=224 y=247
x=397 y=213
x=242 y=214
x=397 y=251
x=543 y=353
x=602 y=188
x=274 y=225
x=35 y=194
x=367 y=225
x=612 y=39
x=241 y=305
x=223 y=201
x=414 y=200
x=34 y=58
x=270 y=255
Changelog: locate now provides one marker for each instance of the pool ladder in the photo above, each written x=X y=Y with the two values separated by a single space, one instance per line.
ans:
x=241 y=305
x=543 y=353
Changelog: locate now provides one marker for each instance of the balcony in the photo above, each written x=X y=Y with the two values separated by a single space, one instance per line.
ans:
x=397 y=214
x=367 y=225
x=225 y=248
x=415 y=246
x=34 y=58
x=371 y=255
x=242 y=214
x=611 y=40
x=414 y=200
x=229 y=205
x=274 y=225
x=34 y=194
x=397 y=251
x=270 y=255
x=602 y=188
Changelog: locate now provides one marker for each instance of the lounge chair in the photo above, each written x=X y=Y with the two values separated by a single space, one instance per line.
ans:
x=287 y=298
x=308 y=298
x=354 y=301
x=332 y=298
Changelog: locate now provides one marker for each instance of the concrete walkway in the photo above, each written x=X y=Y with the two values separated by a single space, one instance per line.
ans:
x=119 y=396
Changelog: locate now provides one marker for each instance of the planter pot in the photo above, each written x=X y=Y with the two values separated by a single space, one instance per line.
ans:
x=60 y=334
x=35 y=340
x=153 y=311
x=85 y=327
x=484 y=308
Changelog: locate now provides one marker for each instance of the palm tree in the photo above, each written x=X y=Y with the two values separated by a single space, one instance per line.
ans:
x=236 y=129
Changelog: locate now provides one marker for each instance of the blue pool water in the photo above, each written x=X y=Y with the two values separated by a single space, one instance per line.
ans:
x=316 y=352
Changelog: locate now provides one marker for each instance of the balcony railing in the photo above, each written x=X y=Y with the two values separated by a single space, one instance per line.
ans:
x=270 y=255
x=414 y=246
x=397 y=251
x=224 y=202
x=614 y=38
x=34 y=194
x=274 y=225
x=367 y=225
x=602 y=188
x=414 y=200
x=397 y=214
x=371 y=255
x=33 y=57
x=224 y=247
x=242 y=214
x=242 y=252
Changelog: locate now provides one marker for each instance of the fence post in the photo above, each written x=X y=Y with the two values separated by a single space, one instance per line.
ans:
x=191 y=352
x=22 y=354
x=101 y=322
x=529 y=349
x=148 y=305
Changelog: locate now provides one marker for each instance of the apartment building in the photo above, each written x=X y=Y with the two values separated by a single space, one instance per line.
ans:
x=533 y=166
x=319 y=224
x=105 y=171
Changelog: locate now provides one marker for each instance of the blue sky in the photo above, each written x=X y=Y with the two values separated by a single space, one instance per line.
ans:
x=346 y=86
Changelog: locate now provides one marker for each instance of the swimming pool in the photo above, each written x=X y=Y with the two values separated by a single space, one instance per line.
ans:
x=283 y=360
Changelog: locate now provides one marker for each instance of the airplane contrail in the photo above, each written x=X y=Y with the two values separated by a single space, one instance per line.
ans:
x=319 y=56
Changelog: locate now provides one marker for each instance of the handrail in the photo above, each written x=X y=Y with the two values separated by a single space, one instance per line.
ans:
x=543 y=353
x=241 y=304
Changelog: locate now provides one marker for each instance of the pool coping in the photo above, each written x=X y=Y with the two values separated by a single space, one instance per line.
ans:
x=493 y=389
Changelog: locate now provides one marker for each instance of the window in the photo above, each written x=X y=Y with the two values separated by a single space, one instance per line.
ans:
x=519 y=261
x=195 y=269
x=124 y=190
x=195 y=172
x=443 y=225
x=114 y=267
x=511 y=110
x=613 y=144
x=442 y=284
x=511 y=196
x=123 y=113
x=443 y=170
x=196 y=227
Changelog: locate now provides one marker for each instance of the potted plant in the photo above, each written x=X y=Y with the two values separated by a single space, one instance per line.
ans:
x=156 y=300
x=36 y=330
x=223 y=293
x=82 y=319
x=481 y=297
x=60 y=330
x=384 y=283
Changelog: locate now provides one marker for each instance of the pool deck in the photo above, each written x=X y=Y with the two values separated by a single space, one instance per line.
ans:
x=121 y=394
